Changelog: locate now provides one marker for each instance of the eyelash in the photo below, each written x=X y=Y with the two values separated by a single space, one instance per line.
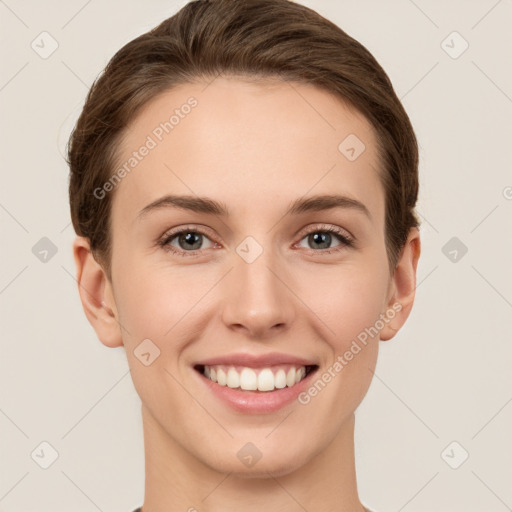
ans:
x=345 y=240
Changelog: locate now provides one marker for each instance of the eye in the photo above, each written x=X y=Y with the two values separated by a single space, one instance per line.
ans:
x=189 y=241
x=185 y=240
x=322 y=238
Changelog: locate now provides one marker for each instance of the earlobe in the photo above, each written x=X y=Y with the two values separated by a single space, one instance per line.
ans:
x=402 y=286
x=96 y=295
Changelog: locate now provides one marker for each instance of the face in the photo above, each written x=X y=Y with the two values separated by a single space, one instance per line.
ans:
x=250 y=280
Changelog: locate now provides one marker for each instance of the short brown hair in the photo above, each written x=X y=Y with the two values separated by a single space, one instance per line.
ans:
x=253 y=38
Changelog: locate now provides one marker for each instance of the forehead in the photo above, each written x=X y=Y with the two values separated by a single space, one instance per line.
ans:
x=249 y=145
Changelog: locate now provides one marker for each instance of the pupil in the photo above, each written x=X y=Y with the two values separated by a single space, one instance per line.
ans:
x=189 y=239
x=321 y=238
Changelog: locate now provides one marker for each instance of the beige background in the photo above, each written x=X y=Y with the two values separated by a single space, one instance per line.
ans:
x=446 y=377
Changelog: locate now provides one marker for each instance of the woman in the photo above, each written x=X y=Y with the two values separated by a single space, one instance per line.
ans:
x=243 y=183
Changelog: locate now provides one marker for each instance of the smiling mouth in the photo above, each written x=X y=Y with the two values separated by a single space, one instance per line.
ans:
x=265 y=379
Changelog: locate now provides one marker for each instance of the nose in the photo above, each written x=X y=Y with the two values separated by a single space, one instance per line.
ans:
x=257 y=299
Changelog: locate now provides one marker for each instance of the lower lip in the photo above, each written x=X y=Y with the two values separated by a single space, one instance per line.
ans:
x=257 y=402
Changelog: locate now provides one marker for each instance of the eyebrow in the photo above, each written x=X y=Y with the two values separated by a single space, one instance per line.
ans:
x=210 y=206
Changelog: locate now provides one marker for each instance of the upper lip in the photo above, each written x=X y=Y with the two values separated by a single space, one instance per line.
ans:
x=255 y=361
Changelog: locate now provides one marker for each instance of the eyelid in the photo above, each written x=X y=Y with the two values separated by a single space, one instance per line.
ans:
x=313 y=228
x=196 y=228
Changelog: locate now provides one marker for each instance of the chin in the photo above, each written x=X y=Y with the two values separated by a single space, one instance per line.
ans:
x=274 y=465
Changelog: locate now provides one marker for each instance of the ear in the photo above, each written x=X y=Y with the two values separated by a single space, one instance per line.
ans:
x=96 y=294
x=402 y=287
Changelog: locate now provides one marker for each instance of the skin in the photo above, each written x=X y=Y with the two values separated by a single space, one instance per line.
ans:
x=256 y=147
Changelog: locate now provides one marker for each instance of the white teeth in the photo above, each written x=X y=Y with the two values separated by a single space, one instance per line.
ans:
x=233 y=380
x=290 y=378
x=266 y=380
x=249 y=379
x=221 y=377
x=280 y=379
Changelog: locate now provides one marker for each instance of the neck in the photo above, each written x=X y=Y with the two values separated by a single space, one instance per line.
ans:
x=176 y=481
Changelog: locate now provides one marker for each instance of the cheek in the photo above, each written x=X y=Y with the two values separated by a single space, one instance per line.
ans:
x=152 y=303
x=347 y=299
x=155 y=304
